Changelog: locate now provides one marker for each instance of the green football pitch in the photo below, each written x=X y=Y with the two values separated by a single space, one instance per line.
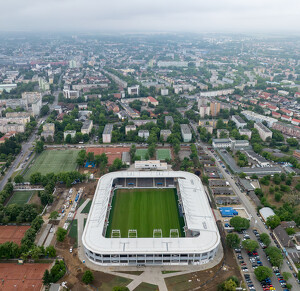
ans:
x=163 y=154
x=20 y=197
x=55 y=161
x=145 y=210
x=141 y=153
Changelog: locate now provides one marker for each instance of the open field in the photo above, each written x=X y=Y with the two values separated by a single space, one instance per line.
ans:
x=12 y=233
x=22 y=277
x=163 y=154
x=146 y=287
x=20 y=197
x=144 y=210
x=141 y=153
x=111 y=152
x=55 y=161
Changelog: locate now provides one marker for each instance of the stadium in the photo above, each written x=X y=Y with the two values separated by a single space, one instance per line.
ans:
x=150 y=218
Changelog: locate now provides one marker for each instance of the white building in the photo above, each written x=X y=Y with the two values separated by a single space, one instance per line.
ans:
x=164 y=92
x=199 y=247
x=240 y=122
x=266 y=212
x=204 y=110
x=87 y=127
x=186 y=132
x=107 y=133
x=134 y=90
x=165 y=133
x=245 y=131
x=72 y=133
x=71 y=94
x=263 y=131
x=250 y=115
x=143 y=134
x=150 y=165
x=217 y=93
x=129 y=128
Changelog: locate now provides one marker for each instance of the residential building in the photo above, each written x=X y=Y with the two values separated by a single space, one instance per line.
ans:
x=152 y=100
x=87 y=127
x=215 y=108
x=165 y=133
x=282 y=237
x=7 y=87
x=296 y=154
x=169 y=119
x=140 y=122
x=288 y=129
x=143 y=134
x=212 y=122
x=186 y=132
x=204 y=111
x=48 y=131
x=69 y=132
x=222 y=132
x=71 y=94
x=134 y=90
x=256 y=157
x=263 y=131
x=107 y=133
x=164 y=92
x=240 y=122
x=6 y=136
x=245 y=131
x=223 y=143
x=36 y=107
x=217 y=93
x=5 y=128
x=129 y=128
x=250 y=115
x=44 y=85
x=31 y=97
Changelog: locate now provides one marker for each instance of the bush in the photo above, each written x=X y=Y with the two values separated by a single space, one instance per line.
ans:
x=61 y=234
x=239 y=223
x=232 y=240
x=87 y=277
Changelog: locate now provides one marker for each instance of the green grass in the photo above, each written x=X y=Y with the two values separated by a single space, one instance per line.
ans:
x=144 y=210
x=116 y=281
x=163 y=154
x=87 y=207
x=141 y=153
x=146 y=286
x=20 y=197
x=55 y=161
x=73 y=233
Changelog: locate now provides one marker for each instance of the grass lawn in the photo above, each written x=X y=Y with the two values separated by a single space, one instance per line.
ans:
x=144 y=210
x=73 y=233
x=55 y=161
x=141 y=153
x=20 y=197
x=87 y=207
x=116 y=281
x=146 y=286
x=163 y=154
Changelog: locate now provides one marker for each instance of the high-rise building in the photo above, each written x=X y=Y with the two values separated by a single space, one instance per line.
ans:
x=215 y=108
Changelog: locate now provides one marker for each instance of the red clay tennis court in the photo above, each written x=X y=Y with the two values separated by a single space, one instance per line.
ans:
x=112 y=153
x=13 y=233
x=26 y=277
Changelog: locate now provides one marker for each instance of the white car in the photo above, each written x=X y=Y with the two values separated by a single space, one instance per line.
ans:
x=71 y=250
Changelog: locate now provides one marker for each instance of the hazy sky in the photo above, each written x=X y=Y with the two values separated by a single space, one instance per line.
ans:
x=151 y=15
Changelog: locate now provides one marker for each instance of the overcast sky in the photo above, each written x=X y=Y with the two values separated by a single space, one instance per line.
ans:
x=151 y=15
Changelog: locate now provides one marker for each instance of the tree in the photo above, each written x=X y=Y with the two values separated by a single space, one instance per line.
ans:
x=44 y=110
x=254 y=176
x=18 y=179
x=87 y=277
x=35 y=178
x=250 y=245
x=286 y=276
x=239 y=223
x=53 y=215
x=230 y=285
x=242 y=175
x=151 y=150
x=39 y=146
x=293 y=142
x=50 y=251
x=233 y=240
x=290 y=231
x=61 y=234
x=265 y=239
x=90 y=157
x=275 y=256
x=68 y=138
x=262 y=273
x=205 y=180
x=46 y=277
x=273 y=221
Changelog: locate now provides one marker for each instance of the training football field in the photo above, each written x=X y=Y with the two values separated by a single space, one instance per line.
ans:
x=55 y=161
x=144 y=210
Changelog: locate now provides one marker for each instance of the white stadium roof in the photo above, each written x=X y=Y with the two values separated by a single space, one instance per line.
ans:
x=198 y=214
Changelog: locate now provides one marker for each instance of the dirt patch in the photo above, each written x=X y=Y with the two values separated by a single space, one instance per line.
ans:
x=22 y=277
x=111 y=152
x=13 y=233
x=208 y=279
x=76 y=270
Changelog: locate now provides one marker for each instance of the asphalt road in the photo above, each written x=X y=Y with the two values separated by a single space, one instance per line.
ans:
x=255 y=221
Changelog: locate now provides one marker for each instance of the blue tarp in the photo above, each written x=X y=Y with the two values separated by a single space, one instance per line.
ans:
x=228 y=211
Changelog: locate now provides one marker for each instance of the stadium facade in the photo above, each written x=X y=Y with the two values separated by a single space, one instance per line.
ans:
x=201 y=241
